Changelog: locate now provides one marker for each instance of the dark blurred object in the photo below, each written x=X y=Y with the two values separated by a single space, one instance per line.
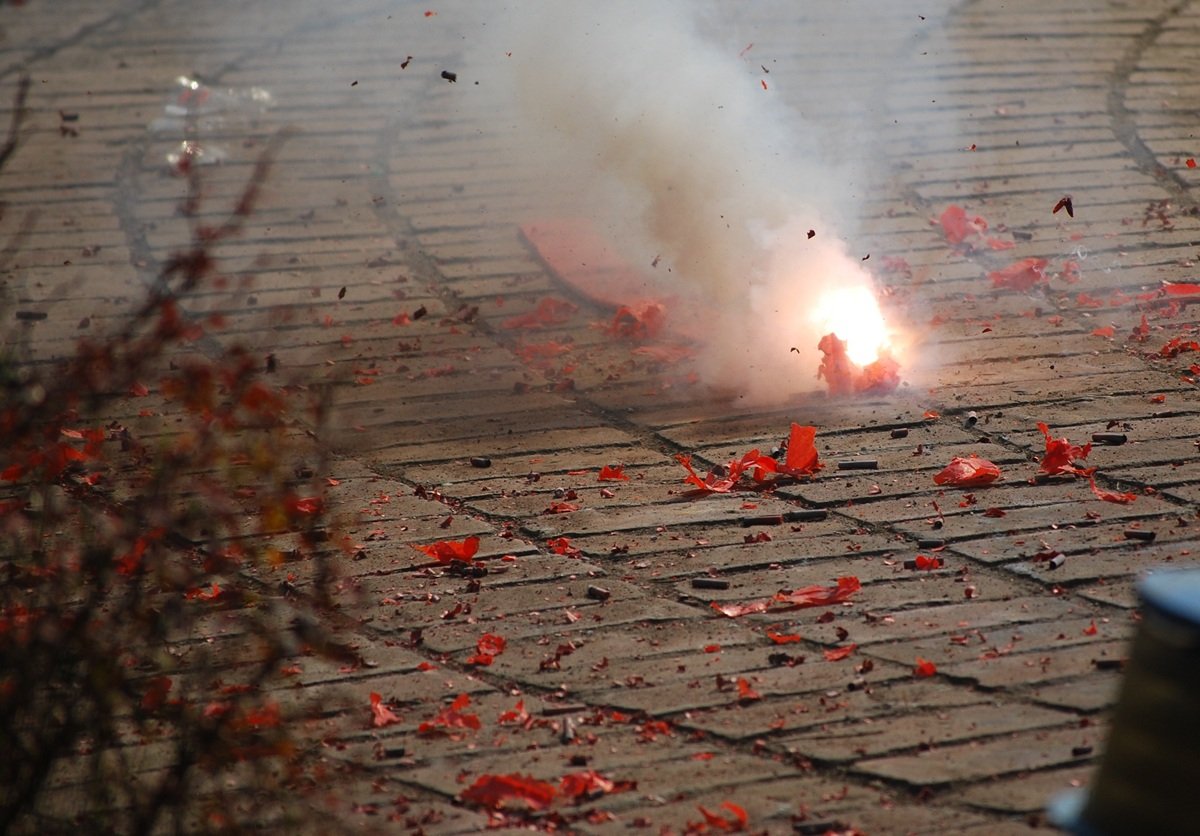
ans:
x=1150 y=771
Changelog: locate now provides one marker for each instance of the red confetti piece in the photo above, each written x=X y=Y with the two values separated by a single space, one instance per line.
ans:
x=1090 y=630
x=495 y=791
x=969 y=472
x=801 y=456
x=1021 y=276
x=924 y=668
x=1190 y=163
x=746 y=692
x=1178 y=345
x=381 y=715
x=783 y=638
x=1064 y=203
x=447 y=551
x=156 y=693
x=203 y=595
x=840 y=653
x=926 y=563
x=582 y=786
x=737 y=820
x=958 y=227
x=561 y=545
x=1111 y=496
x=487 y=648
x=1180 y=288
x=517 y=714
x=1061 y=455
x=306 y=505
x=613 y=473
x=451 y=717
x=808 y=596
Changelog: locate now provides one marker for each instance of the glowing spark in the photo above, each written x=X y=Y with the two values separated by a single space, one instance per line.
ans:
x=853 y=314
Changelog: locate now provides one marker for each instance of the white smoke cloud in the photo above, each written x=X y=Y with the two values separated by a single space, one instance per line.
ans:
x=643 y=119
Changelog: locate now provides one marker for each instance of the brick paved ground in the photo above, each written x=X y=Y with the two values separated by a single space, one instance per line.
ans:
x=395 y=188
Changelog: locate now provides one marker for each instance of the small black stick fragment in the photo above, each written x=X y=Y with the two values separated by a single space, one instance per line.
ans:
x=766 y=519
x=1109 y=438
x=705 y=582
x=449 y=76
x=859 y=464
x=900 y=432
x=806 y=515
x=1140 y=534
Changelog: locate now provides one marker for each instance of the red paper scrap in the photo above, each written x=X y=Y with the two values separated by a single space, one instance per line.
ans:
x=517 y=714
x=589 y=784
x=381 y=715
x=613 y=473
x=447 y=551
x=783 y=638
x=801 y=458
x=737 y=821
x=1180 y=288
x=966 y=231
x=1022 y=276
x=487 y=648
x=1111 y=496
x=451 y=717
x=969 y=472
x=958 y=227
x=840 y=653
x=1176 y=346
x=746 y=692
x=808 y=596
x=495 y=791
x=1061 y=455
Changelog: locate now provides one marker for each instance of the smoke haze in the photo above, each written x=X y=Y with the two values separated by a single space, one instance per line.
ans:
x=652 y=122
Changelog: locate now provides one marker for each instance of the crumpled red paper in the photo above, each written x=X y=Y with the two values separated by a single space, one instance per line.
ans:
x=801 y=460
x=1023 y=275
x=808 y=596
x=495 y=791
x=968 y=472
x=447 y=551
x=1061 y=455
x=968 y=232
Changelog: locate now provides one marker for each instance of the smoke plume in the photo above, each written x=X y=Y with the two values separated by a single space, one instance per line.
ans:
x=652 y=122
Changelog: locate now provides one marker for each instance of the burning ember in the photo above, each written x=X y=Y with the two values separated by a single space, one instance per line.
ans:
x=856 y=346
